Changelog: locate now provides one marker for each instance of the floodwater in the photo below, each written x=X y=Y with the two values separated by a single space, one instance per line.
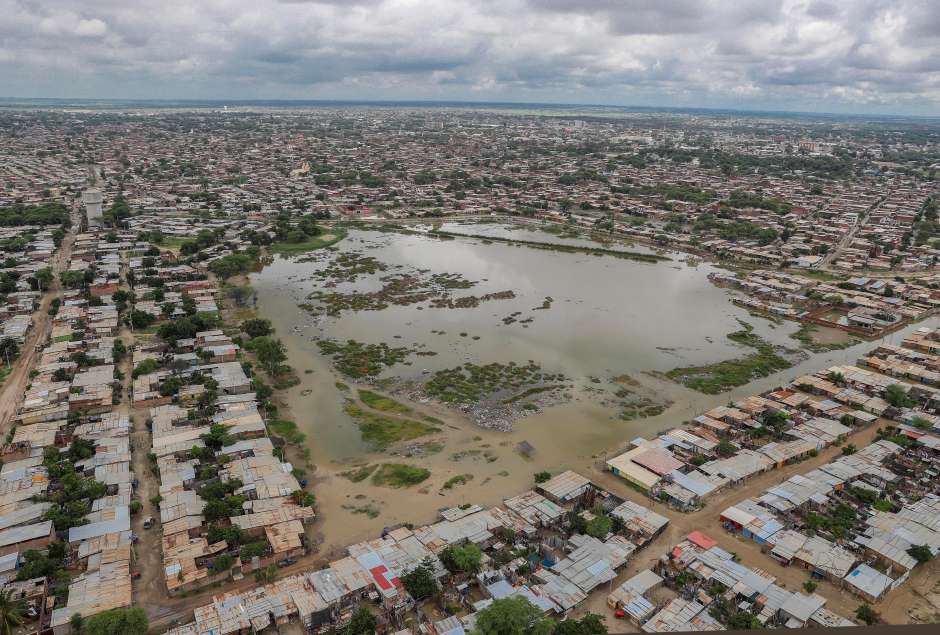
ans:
x=609 y=317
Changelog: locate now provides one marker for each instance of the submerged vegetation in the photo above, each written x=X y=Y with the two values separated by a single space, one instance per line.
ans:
x=359 y=360
x=401 y=288
x=472 y=383
x=713 y=379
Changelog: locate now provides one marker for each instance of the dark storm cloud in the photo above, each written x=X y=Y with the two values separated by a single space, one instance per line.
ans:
x=863 y=55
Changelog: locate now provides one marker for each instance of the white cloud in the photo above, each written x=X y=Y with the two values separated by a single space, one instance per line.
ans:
x=91 y=28
x=850 y=56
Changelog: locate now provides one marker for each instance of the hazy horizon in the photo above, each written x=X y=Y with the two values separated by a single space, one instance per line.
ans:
x=447 y=103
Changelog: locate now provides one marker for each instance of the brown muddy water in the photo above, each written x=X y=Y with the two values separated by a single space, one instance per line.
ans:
x=609 y=317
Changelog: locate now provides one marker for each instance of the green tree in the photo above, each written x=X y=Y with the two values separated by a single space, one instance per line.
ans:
x=271 y=353
x=512 y=616
x=223 y=563
x=145 y=367
x=142 y=319
x=865 y=613
x=725 y=448
x=124 y=621
x=12 y=612
x=920 y=553
x=266 y=575
x=420 y=582
x=598 y=527
x=363 y=623
x=257 y=327
x=72 y=279
x=462 y=558
x=43 y=278
x=590 y=624
x=897 y=396
x=8 y=350
x=541 y=477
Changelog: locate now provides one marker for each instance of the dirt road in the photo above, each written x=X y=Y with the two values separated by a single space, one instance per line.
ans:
x=707 y=521
x=11 y=394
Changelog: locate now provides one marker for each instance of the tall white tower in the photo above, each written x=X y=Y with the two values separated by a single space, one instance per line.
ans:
x=92 y=200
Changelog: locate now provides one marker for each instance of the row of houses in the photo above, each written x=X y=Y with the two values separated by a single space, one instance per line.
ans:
x=67 y=478
x=563 y=568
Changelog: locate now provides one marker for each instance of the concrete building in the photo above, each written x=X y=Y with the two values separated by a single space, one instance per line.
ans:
x=92 y=199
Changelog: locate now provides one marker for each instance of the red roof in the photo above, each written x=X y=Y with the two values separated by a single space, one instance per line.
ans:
x=700 y=539
x=378 y=573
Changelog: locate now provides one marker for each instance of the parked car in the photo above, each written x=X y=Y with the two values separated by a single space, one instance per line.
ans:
x=148 y=522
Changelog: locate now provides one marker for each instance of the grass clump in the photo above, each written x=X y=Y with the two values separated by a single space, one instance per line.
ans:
x=399 y=475
x=385 y=404
x=287 y=430
x=381 y=431
x=454 y=481
x=367 y=510
x=359 y=474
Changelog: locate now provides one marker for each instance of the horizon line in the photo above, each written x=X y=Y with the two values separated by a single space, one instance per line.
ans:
x=457 y=102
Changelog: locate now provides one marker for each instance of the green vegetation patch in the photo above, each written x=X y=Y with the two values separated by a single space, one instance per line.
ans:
x=287 y=430
x=359 y=474
x=399 y=475
x=381 y=431
x=472 y=383
x=313 y=242
x=454 y=481
x=640 y=408
x=357 y=360
x=385 y=404
x=367 y=510
x=347 y=267
x=723 y=376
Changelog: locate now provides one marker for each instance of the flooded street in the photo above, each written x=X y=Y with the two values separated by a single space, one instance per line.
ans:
x=608 y=317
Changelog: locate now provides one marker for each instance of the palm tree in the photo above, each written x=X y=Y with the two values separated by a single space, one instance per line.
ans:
x=11 y=612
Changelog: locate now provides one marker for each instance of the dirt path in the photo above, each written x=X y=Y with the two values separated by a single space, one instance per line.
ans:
x=11 y=393
x=149 y=590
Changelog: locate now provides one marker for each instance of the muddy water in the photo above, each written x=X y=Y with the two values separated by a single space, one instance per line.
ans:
x=609 y=317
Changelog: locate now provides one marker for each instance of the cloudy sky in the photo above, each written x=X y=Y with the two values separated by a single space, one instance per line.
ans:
x=867 y=56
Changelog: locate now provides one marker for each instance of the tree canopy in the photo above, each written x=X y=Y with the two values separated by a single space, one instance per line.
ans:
x=512 y=616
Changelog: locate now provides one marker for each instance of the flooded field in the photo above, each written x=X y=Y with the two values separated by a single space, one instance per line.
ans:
x=602 y=322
